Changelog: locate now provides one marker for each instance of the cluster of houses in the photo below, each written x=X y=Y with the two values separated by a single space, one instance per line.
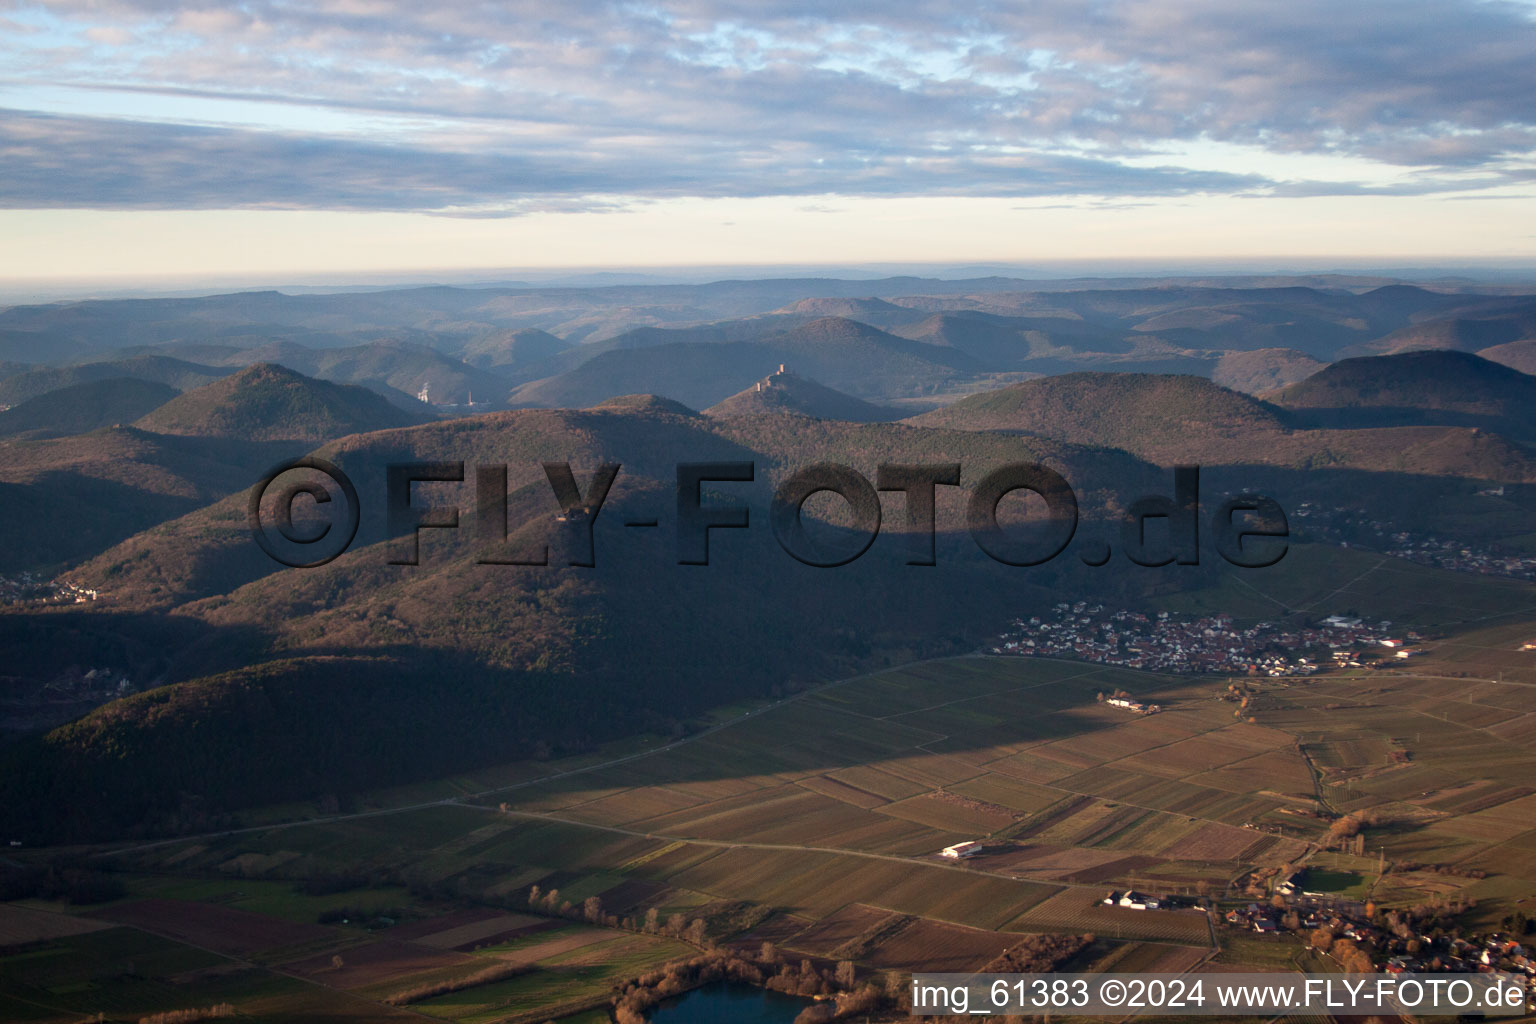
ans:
x=1453 y=555
x=1395 y=951
x=1353 y=527
x=29 y=588
x=1211 y=644
x=1357 y=651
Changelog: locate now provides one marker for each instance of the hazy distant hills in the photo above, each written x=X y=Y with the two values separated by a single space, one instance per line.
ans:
x=697 y=374
x=791 y=394
x=266 y=402
x=840 y=353
x=1430 y=387
x=176 y=373
x=513 y=350
x=872 y=311
x=1253 y=334
x=1468 y=326
x=81 y=408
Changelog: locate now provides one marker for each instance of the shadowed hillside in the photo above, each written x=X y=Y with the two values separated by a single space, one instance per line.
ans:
x=81 y=408
x=175 y=373
x=1120 y=410
x=266 y=402
x=66 y=499
x=1418 y=388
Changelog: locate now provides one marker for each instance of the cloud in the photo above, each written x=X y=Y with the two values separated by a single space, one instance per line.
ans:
x=478 y=110
x=54 y=161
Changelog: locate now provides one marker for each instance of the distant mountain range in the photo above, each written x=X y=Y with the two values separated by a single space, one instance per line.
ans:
x=1256 y=335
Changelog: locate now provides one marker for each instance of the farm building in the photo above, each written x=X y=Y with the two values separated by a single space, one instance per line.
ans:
x=961 y=851
x=1132 y=900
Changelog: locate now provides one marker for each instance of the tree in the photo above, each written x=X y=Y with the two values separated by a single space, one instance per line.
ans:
x=845 y=975
x=651 y=917
x=696 y=932
x=592 y=909
x=768 y=953
x=1359 y=962
x=675 y=925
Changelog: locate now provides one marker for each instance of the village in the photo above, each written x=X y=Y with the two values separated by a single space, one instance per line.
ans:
x=1363 y=938
x=31 y=588
x=1352 y=527
x=1213 y=644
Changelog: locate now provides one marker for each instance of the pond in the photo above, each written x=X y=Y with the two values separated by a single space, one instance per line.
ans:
x=730 y=1003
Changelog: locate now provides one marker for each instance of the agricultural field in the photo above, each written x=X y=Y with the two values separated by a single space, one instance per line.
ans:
x=141 y=956
x=815 y=822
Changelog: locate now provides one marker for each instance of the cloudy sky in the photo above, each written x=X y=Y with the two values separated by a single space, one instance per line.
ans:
x=268 y=137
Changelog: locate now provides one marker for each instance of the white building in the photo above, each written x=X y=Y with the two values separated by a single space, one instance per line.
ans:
x=961 y=851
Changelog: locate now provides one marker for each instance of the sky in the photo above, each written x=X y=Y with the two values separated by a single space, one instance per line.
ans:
x=272 y=139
